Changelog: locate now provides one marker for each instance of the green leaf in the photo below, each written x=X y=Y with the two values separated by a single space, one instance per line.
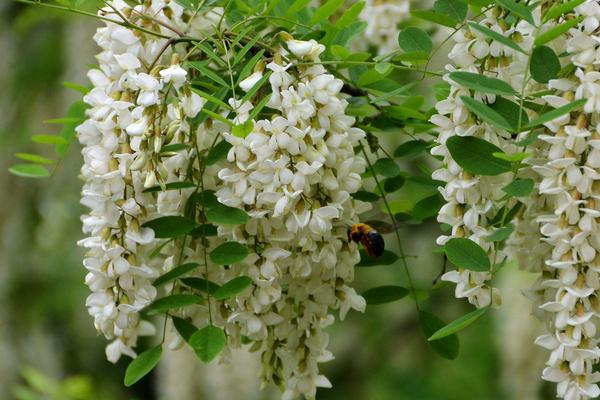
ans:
x=350 y=15
x=512 y=158
x=173 y=148
x=204 y=230
x=398 y=206
x=387 y=258
x=243 y=130
x=481 y=83
x=517 y=9
x=384 y=294
x=363 y=195
x=167 y=303
x=486 y=113
x=519 y=187
x=411 y=148
x=229 y=253
x=217 y=153
x=392 y=184
x=34 y=158
x=556 y=31
x=325 y=11
x=48 y=139
x=208 y=342
x=559 y=9
x=434 y=17
x=295 y=7
x=201 y=284
x=211 y=98
x=544 y=64
x=206 y=72
x=446 y=347
x=476 y=155
x=76 y=114
x=171 y=186
x=185 y=328
x=557 y=112
x=175 y=273
x=225 y=215
x=142 y=365
x=384 y=68
x=465 y=253
x=170 y=226
x=455 y=9
x=427 y=207
x=77 y=87
x=207 y=199
x=414 y=39
x=510 y=112
x=500 y=234
x=386 y=167
x=497 y=37
x=233 y=288
x=29 y=171
x=458 y=324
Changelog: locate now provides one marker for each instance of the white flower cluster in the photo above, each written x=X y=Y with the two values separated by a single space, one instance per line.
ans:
x=382 y=18
x=472 y=201
x=128 y=123
x=294 y=174
x=570 y=285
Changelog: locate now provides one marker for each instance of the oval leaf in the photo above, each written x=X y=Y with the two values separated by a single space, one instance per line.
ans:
x=476 y=155
x=170 y=227
x=387 y=258
x=229 y=253
x=496 y=36
x=446 y=347
x=233 y=287
x=222 y=214
x=142 y=365
x=486 y=113
x=208 y=342
x=414 y=39
x=29 y=171
x=458 y=324
x=386 y=167
x=467 y=254
x=519 y=187
x=481 y=83
x=557 y=112
x=185 y=328
x=384 y=294
x=175 y=273
x=201 y=284
x=173 y=301
x=544 y=64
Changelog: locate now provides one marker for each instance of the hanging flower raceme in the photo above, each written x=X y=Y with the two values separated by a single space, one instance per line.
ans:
x=382 y=18
x=293 y=174
x=130 y=121
x=570 y=283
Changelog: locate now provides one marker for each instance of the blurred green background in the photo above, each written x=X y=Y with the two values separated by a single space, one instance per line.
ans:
x=50 y=350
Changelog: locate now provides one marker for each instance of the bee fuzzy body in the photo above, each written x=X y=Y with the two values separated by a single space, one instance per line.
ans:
x=371 y=240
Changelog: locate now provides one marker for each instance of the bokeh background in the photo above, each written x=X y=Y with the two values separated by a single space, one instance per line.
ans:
x=50 y=350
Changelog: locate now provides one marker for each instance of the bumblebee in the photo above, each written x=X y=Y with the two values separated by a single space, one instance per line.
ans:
x=369 y=237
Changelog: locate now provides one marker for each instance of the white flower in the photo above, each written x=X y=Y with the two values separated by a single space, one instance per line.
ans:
x=250 y=81
x=174 y=74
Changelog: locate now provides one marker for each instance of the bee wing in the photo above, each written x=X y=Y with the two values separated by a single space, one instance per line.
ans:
x=380 y=226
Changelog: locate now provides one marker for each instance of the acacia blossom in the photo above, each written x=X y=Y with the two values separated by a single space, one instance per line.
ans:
x=293 y=174
x=568 y=289
x=122 y=140
x=382 y=18
x=472 y=201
